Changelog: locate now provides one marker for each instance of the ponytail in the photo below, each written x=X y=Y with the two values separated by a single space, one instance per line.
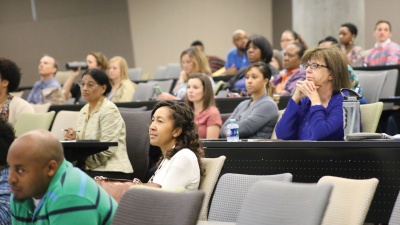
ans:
x=270 y=89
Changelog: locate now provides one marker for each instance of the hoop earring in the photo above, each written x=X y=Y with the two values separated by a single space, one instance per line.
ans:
x=352 y=41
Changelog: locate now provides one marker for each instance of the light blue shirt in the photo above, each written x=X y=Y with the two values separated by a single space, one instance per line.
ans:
x=36 y=92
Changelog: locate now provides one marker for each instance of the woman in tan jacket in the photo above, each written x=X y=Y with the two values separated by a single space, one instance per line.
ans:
x=122 y=88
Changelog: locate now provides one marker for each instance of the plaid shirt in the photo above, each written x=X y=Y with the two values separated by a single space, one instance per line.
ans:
x=5 y=211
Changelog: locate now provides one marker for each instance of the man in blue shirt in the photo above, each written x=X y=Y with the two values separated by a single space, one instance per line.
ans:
x=6 y=138
x=47 y=70
x=237 y=58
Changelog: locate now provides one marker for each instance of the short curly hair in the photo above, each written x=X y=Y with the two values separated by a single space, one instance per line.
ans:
x=11 y=72
x=183 y=117
x=7 y=137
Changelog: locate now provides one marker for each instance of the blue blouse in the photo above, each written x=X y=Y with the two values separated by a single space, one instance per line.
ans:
x=305 y=122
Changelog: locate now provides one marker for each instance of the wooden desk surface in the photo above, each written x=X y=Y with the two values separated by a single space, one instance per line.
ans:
x=308 y=161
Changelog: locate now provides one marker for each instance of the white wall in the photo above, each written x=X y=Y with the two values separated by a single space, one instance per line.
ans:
x=162 y=29
x=316 y=19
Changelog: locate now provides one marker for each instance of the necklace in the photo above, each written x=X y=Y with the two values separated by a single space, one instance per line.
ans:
x=159 y=167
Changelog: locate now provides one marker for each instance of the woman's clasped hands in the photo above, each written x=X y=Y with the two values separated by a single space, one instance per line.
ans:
x=305 y=88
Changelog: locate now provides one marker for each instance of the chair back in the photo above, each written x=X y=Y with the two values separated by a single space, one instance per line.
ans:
x=137 y=140
x=62 y=76
x=213 y=167
x=225 y=116
x=143 y=206
x=218 y=86
x=135 y=74
x=371 y=83
x=389 y=87
x=370 y=116
x=63 y=120
x=280 y=112
x=395 y=216
x=350 y=200
x=165 y=85
x=143 y=92
x=32 y=121
x=160 y=72
x=272 y=202
x=172 y=71
x=231 y=191
x=41 y=108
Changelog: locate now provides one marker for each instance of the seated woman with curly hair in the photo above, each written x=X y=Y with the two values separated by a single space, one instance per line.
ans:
x=174 y=131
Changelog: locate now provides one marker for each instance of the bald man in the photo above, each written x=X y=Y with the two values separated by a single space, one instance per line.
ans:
x=47 y=189
x=47 y=70
x=237 y=58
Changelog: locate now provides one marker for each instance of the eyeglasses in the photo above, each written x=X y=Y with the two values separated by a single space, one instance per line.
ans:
x=313 y=66
x=287 y=40
x=88 y=85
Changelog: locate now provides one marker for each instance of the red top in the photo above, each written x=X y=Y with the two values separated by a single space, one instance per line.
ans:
x=208 y=117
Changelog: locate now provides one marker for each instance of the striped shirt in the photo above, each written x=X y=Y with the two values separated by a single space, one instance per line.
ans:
x=5 y=211
x=71 y=198
x=387 y=53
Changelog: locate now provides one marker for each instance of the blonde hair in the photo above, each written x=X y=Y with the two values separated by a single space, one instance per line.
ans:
x=123 y=66
x=200 y=61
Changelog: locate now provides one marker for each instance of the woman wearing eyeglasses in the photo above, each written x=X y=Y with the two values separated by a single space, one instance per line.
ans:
x=315 y=110
x=100 y=120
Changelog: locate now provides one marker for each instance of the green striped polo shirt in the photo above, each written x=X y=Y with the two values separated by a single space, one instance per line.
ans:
x=71 y=198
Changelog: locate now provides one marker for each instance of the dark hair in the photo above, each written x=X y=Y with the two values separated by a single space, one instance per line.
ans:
x=196 y=43
x=208 y=92
x=100 y=77
x=266 y=72
x=7 y=137
x=352 y=28
x=384 y=21
x=101 y=59
x=11 y=72
x=55 y=62
x=263 y=44
x=302 y=48
x=183 y=118
x=330 y=39
x=335 y=62
x=296 y=36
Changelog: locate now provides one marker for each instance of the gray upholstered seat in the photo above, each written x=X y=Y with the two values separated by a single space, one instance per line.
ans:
x=272 y=202
x=231 y=191
x=137 y=140
x=395 y=217
x=144 y=206
x=213 y=168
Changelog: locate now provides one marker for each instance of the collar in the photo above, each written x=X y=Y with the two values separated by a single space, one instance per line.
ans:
x=383 y=44
x=55 y=182
x=97 y=107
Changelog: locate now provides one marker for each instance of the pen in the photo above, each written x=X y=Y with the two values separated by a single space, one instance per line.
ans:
x=72 y=130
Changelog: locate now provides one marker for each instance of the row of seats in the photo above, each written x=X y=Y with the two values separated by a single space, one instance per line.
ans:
x=256 y=199
x=137 y=121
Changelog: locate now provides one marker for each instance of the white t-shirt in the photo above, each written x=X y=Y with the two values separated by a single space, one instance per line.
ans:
x=182 y=170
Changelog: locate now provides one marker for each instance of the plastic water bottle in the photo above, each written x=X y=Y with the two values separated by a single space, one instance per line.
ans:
x=351 y=111
x=232 y=131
